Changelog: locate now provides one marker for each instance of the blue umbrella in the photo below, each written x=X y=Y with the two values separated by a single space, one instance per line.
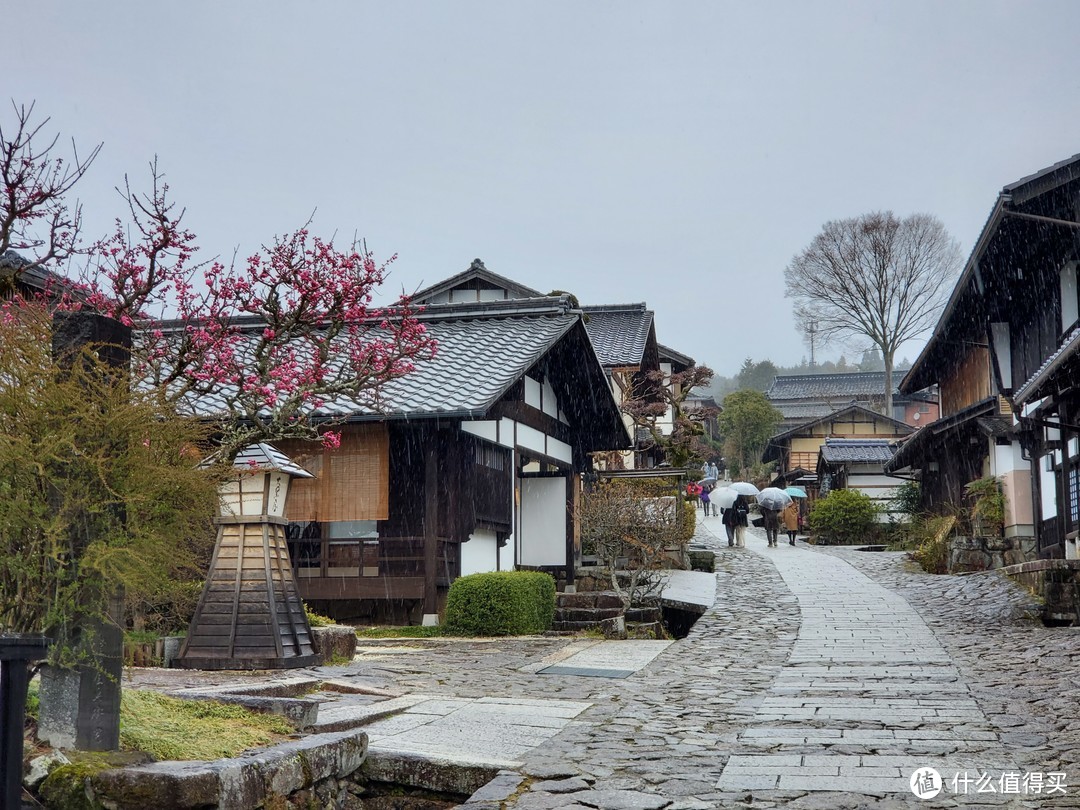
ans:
x=795 y=492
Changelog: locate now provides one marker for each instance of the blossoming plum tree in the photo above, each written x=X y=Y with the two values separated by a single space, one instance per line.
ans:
x=274 y=337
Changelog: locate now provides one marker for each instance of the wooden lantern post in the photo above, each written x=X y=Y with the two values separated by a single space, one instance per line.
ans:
x=250 y=615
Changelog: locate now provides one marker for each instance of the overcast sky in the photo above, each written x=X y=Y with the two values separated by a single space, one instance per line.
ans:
x=674 y=153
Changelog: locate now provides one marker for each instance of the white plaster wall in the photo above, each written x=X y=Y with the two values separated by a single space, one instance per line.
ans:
x=485 y=429
x=506 y=432
x=1046 y=489
x=543 y=521
x=532 y=392
x=551 y=402
x=481 y=553
x=531 y=438
x=560 y=450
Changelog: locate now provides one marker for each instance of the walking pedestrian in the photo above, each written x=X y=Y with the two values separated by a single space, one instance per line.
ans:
x=705 y=499
x=736 y=519
x=693 y=492
x=772 y=525
x=729 y=526
x=791 y=521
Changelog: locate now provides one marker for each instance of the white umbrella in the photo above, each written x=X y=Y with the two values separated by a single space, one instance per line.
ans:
x=743 y=488
x=773 y=498
x=724 y=497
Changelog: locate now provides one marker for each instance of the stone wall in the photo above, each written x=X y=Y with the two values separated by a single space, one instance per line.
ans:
x=986 y=553
x=1056 y=583
x=316 y=771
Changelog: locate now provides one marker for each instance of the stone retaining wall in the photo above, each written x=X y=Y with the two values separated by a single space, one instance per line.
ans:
x=313 y=772
x=986 y=553
x=1056 y=583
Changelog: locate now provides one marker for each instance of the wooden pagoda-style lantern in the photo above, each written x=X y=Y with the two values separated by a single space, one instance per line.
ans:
x=250 y=615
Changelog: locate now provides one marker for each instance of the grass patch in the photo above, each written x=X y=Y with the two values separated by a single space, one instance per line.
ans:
x=170 y=728
x=413 y=631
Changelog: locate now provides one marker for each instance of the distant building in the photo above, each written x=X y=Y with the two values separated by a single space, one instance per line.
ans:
x=802 y=398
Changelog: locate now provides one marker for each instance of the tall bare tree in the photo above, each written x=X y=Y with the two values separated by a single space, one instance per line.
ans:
x=875 y=276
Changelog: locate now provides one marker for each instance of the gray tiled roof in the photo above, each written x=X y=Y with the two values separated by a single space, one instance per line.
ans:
x=619 y=332
x=794 y=411
x=813 y=386
x=482 y=351
x=863 y=451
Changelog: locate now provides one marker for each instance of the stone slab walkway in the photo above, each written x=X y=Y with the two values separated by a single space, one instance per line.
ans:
x=867 y=697
x=819 y=678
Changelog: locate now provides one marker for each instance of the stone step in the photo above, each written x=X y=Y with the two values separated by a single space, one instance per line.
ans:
x=341 y=716
x=566 y=614
x=644 y=614
x=588 y=599
x=574 y=627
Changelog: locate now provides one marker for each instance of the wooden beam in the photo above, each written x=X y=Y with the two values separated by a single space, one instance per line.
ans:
x=431 y=528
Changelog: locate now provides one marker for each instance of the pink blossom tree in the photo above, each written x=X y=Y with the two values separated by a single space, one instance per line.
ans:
x=272 y=339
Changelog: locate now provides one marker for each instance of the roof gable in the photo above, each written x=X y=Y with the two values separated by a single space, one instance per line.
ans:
x=902 y=428
x=476 y=278
x=678 y=360
x=966 y=296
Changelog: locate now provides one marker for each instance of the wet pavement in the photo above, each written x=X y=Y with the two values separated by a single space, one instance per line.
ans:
x=819 y=678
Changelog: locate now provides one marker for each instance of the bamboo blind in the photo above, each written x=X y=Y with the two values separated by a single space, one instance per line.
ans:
x=351 y=483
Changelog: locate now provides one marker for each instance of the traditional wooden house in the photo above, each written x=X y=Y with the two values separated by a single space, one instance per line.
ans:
x=796 y=450
x=623 y=336
x=858 y=464
x=803 y=398
x=1005 y=355
x=472 y=463
x=974 y=436
x=1025 y=271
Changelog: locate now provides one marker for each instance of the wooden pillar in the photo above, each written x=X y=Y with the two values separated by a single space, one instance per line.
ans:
x=431 y=525
x=571 y=526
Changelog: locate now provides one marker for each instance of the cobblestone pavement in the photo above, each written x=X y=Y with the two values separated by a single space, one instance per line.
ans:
x=820 y=679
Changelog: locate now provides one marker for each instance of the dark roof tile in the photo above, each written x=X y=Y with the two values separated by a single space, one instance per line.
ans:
x=619 y=332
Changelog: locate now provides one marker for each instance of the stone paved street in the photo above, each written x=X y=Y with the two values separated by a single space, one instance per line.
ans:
x=820 y=678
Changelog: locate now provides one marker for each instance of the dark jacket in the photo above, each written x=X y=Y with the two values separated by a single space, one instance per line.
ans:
x=737 y=513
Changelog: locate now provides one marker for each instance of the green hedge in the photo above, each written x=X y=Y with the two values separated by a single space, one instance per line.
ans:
x=689 y=521
x=844 y=517
x=502 y=603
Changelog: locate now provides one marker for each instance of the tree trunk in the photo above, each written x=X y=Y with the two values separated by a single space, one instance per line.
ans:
x=888 y=357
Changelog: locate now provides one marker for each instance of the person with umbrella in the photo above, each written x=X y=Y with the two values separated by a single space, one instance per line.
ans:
x=704 y=497
x=736 y=519
x=772 y=500
x=772 y=525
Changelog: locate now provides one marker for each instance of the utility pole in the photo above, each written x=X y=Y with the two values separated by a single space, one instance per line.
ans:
x=811 y=332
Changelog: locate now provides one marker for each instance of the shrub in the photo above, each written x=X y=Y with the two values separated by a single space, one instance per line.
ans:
x=317 y=619
x=907 y=500
x=988 y=506
x=689 y=522
x=932 y=551
x=501 y=603
x=845 y=516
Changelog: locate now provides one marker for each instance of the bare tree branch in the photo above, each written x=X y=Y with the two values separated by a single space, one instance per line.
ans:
x=875 y=276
